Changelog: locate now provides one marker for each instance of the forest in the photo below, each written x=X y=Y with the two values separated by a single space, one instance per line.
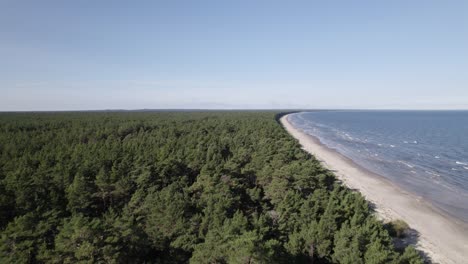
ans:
x=176 y=187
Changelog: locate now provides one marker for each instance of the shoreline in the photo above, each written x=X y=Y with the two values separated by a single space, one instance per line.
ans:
x=441 y=238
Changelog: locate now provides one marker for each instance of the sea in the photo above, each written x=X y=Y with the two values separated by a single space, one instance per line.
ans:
x=422 y=152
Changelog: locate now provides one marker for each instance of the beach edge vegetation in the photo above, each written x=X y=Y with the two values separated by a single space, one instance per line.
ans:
x=176 y=187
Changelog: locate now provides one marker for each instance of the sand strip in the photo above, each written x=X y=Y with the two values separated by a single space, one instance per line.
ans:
x=440 y=237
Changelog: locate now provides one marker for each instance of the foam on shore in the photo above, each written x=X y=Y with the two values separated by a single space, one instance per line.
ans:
x=442 y=238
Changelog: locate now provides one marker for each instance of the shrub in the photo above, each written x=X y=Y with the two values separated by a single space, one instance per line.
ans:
x=397 y=228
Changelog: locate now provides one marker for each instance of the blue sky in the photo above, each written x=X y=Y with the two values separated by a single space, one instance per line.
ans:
x=75 y=55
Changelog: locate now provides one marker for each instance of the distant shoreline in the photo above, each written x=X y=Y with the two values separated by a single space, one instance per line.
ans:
x=440 y=237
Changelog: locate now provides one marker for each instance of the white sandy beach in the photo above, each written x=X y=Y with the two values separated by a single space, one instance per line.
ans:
x=443 y=239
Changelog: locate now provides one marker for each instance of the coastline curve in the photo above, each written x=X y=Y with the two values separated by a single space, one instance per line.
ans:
x=441 y=238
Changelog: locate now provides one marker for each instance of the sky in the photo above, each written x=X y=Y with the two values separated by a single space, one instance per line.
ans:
x=90 y=55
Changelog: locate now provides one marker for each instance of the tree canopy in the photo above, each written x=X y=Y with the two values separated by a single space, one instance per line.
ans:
x=175 y=187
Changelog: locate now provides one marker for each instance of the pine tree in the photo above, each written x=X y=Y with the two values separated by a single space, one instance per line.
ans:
x=80 y=195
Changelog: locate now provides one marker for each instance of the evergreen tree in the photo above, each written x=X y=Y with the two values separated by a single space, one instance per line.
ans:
x=175 y=187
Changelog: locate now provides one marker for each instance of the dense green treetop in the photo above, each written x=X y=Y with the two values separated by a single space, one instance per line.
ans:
x=175 y=187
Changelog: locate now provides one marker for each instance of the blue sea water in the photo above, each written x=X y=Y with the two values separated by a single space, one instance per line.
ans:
x=423 y=152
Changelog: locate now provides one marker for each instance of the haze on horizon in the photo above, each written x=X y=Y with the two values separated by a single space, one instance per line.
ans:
x=79 y=55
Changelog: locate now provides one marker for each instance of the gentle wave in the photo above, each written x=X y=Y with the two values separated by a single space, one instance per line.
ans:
x=407 y=164
x=424 y=152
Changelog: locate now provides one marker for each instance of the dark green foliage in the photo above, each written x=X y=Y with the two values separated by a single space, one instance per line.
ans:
x=410 y=256
x=213 y=187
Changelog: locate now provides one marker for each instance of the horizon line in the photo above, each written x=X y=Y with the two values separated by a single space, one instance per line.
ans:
x=225 y=109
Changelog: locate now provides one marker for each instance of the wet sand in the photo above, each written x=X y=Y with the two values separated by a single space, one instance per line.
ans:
x=441 y=238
